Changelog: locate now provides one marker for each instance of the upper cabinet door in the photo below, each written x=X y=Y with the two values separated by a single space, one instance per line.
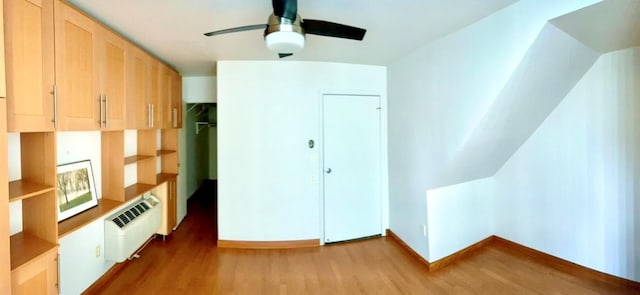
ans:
x=3 y=84
x=29 y=57
x=165 y=97
x=111 y=59
x=176 y=100
x=138 y=110
x=77 y=79
x=154 y=92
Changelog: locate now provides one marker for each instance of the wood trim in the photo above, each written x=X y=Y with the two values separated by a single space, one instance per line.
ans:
x=561 y=264
x=105 y=279
x=524 y=251
x=269 y=244
x=462 y=254
x=406 y=247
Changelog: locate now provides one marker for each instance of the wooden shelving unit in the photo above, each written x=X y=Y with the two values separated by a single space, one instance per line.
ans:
x=31 y=249
x=151 y=100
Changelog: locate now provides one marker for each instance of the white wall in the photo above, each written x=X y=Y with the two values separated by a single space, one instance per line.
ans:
x=459 y=216
x=572 y=190
x=440 y=92
x=268 y=178
x=199 y=89
x=79 y=266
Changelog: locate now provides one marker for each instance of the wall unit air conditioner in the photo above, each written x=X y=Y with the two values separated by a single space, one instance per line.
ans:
x=128 y=229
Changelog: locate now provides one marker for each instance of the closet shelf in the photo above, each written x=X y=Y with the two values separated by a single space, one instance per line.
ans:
x=201 y=124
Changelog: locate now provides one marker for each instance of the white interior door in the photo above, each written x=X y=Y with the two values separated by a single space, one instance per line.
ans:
x=352 y=161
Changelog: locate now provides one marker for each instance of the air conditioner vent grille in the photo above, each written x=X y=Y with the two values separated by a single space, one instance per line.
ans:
x=132 y=213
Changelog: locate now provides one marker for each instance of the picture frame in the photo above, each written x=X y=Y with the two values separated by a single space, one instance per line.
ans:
x=76 y=190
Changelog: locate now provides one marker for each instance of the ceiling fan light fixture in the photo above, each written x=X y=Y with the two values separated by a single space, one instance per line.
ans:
x=285 y=41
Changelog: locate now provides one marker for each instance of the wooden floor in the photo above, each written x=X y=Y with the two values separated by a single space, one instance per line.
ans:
x=189 y=263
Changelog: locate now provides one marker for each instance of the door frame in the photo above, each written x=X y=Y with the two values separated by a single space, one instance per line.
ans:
x=384 y=167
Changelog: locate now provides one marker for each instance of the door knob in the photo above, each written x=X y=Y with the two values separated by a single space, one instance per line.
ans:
x=328 y=170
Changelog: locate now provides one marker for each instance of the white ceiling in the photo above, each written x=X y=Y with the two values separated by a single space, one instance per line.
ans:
x=173 y=30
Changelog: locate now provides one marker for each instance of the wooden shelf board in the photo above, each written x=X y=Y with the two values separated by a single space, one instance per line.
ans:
x=164 y=152
x=22 y=189
x=136 y=190
x=104 y=208
x=136 y=158
x=162 y=177
x=26 y=247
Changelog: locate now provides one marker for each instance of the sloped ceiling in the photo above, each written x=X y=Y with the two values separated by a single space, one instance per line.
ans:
x=173 y=30
x=563 y=52
x=552 y=66
x=606 y=26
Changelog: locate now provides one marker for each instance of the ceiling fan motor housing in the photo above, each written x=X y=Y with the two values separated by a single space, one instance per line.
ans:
x=284 y=35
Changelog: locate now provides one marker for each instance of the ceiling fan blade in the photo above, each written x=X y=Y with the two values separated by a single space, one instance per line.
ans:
x=285 y=8
x=236 y=29
x=283 y=55
x=325 y=28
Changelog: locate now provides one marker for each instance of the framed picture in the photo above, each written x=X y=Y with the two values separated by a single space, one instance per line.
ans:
x=76 y=189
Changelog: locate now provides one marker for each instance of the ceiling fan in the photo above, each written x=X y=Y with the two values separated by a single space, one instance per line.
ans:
x=285 y=29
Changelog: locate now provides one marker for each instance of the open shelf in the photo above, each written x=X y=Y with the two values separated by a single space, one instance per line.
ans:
x=164 y=152
x=163 y=177
x=135 y=190
x=136 y=158
x=104 y=208
x=26 y=247
x=20 y=189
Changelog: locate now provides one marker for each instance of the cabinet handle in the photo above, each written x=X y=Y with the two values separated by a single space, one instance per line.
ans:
x=149 y=115
x=100 y=118
x=174 y=117
x=106 y=110
x=58 y=274
x=153 y=115
x=55 y=107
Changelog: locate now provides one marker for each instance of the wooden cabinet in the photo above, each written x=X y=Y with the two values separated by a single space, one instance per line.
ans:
x=3 y=84
x=138 y=115
x=29 y=50
x=77 y=79
x=170 y=98
x=166 y=193
x=154 y=91
x=5 y=252
x=111 y=71
x=38 y=277
x=172 y=221
x=176 y=99
x=65 y=69
x=142 y=89
x=164 y=97
x=90 y=73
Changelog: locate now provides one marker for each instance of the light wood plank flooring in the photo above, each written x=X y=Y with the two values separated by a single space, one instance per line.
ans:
x=189 y=263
